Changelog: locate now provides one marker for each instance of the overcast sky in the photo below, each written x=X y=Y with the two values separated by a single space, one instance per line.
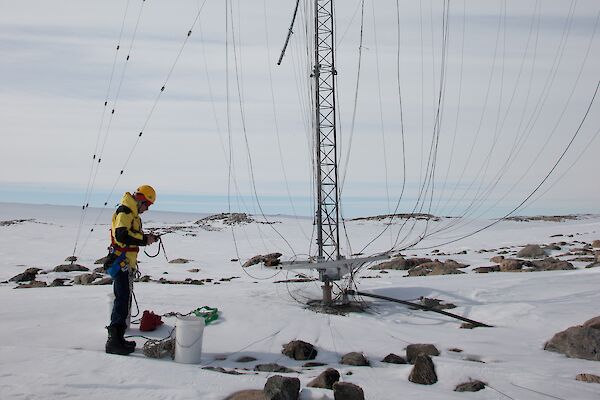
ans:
x=518 y=79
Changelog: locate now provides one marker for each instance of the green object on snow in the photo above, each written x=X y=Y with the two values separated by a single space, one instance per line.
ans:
x=209 y=314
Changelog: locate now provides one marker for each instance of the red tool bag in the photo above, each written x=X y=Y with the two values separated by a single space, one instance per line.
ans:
x=150 y=321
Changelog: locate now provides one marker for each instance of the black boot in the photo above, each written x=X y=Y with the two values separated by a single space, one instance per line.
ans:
x=116 y=343
x=128 y=343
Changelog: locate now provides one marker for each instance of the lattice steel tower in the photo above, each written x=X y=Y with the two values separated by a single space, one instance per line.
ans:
x=324 y=72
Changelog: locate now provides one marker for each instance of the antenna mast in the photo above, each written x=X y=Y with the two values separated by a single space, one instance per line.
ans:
x=324 y=73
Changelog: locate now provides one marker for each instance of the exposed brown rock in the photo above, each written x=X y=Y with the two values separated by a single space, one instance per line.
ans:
x=588 y=378
x=70 y=268
x=531 y=251
x=576 y=342
x=299 y=350
x=247 y=395
x=325 y=380
x=282 y=388
x=413 y=350
x=347 y=391
x=423 y=371
x=470 y=386
x=485 y=270
x=355 y=358
x=394 y=359
x=28 y=275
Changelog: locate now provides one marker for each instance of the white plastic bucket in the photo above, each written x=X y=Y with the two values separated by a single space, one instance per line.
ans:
x=188 y=339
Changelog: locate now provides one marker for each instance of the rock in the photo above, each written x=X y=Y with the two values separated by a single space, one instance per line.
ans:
x=497 y=259
x=222 y=370
x=107 y=280
x=471 y=386
x=588 y=378
x=356 y=359
x=58 y=282
x=245 y=359
x=552 y=247
x=485 y=270
x=596 y=244
x=423 y=371
x=551 y=264
x=397 y=263
x=531 y=251
x=100 y=260
x=272 y=367
x=179 y=261
x=325 y=380
x=247 y=395
x=511 y=265
x=435 y=268
x=435 y=304
x=593 y=323
x=413 y=350
x=28 y=275
x=576 y=342
x=312 y=364
x=282 y=388
x=100 y=270
x=71 y=259
x=299 y=350
x=593 y=265
x=32 y=284
x=85 y=279
x=194 y=270
x=394 y=359
x=70 y=268
x=347 y=391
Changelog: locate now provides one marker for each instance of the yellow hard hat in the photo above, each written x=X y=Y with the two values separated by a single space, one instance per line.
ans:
x=147 y=192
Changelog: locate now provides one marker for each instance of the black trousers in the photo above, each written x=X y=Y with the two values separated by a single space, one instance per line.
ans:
x=121 y=290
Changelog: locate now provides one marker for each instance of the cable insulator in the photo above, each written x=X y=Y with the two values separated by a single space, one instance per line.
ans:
x=113 y=111
x=99 y=160
x=83 y=207
x=127 y=59
x=162 y=89
x=92 y=230
x=118 y=47
x=189 y=33
x=106 y=203
x=121 y=172
x=140 y=135
x=105 y=103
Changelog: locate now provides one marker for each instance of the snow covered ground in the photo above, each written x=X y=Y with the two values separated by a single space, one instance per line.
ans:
x=52 y=339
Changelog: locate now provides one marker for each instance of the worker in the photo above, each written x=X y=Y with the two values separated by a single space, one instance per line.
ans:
x=126 y=236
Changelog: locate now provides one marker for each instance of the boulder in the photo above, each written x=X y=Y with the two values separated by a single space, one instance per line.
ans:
x=312 y=364
x=398 y=263
x=436 y=268
x=101 y=260
x=551 y=264
x=28 y=275
x=325 y=380
x=511 y=265
x=413 y=350
x=247 y=395
x=282 y=388
x=70 y=268
x=85 y=279
x=394 y=359
x=593 y=265
x=107 y=280
x=423 y=371
x=299 y=350
x=347 y=391
x=471 y=386
x=576 y=342
x=588 y=378
x=356 y=359
x=531 y=251
x=596 y=244
x=58 y=282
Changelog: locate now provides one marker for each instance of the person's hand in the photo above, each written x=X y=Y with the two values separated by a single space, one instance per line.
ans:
x=151 y=238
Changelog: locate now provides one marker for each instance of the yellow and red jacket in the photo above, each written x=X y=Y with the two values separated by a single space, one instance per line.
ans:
x=126 y=231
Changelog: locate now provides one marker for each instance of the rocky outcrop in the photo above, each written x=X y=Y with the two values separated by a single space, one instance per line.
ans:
x=401 y=263
x=268 y=260
x=299 y=350
x=551 y=264
x=588 y=378
x=273 y=368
